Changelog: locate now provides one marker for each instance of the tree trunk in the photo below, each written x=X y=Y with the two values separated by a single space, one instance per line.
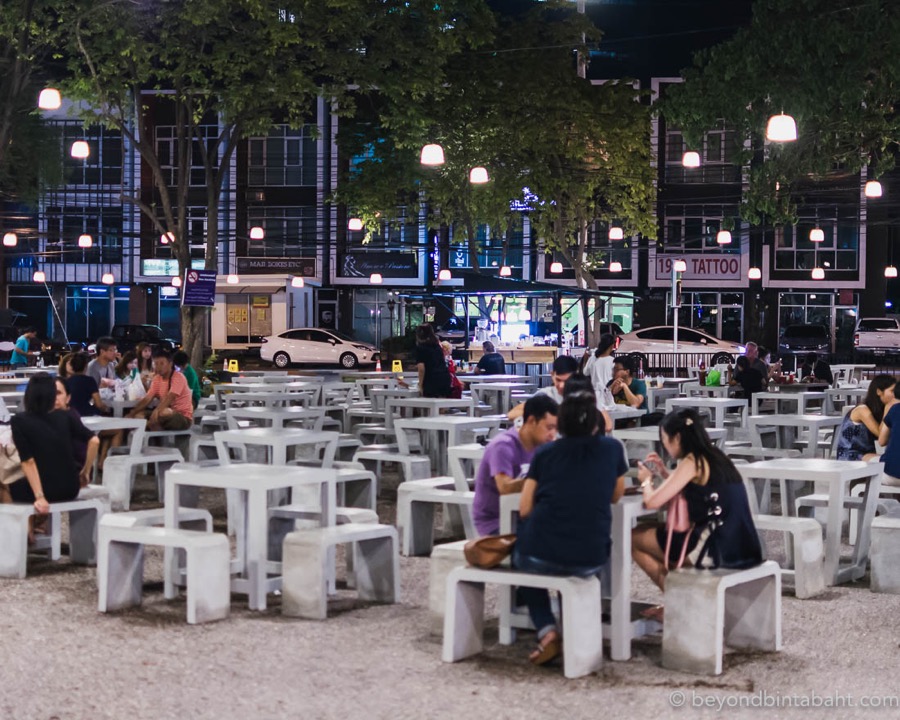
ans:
x=193 y=333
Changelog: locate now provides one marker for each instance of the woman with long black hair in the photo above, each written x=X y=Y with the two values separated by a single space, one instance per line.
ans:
x=722 y=526
x=434 y=376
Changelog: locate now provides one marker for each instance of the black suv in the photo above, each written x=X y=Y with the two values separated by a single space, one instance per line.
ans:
x=803 y=339
x=127 y=337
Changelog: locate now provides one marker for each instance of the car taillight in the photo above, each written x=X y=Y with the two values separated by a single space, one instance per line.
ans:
x=855 y=339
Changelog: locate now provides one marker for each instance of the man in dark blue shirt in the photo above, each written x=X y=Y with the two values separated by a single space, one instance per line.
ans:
x=492 y=362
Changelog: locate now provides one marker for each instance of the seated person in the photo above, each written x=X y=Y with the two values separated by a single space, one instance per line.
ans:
x=175 y=410
x=492 y=362
x=83 y=389
x=499 y=472
x=625 y=388
x=749 y=378
x=564 y=367
x=815 y=370
x=862 y=426
x=183 y=365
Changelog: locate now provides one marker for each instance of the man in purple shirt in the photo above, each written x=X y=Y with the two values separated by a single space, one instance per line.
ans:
x=499 y=470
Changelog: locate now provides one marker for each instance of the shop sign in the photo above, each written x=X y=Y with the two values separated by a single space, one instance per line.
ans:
x=388 y=265
x=166 y=267
x=304 y=267
x=701 y=267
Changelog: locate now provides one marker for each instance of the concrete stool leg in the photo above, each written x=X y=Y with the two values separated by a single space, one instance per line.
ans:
x=120 y=575
x=809 y=569
x=417 y=526
x=209 y=584
x=377 y=568
x=117 y=479
x=54 y=527
x=463 y=620
x=13 y=545
x=303 y=584
x=752 y=614
x=441 y=563
x=693 y=631
x=83 y=536
x=583 y=635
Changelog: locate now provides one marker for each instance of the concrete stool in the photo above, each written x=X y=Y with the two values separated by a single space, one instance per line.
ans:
x=808 y=504
x=120 y=568
x=444 y=558
x=83 y=517
x=415 y=467
x=582 y=631
x=415 y=511
x=306 y=567
x=808 y=553
x=119 y=472
x=706 y=609
x=884 y=554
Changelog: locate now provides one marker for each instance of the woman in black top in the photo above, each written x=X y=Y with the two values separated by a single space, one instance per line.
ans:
x=44 y=437
x=434 y=376
x=566 y=509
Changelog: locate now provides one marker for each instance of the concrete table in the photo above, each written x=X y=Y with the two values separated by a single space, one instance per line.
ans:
x=837 y=474
x=121 y=407
x=815 y=424
x=439 y=433
x=718 y=407
x=498 y=394
x=395 y=408
x=657 y=396
x=458 y=457
x=845 y=396
x=277 y=441
x=650 y=435
x=469 y=378
x=253 y=482
x=275 y=417
x=799 y=400
x=694 y=388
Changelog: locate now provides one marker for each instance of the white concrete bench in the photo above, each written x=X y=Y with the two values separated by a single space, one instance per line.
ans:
x=444 y=558
x=708 y=609
x=582 y=631
x=119 y=472
x=415 y=511
x=853 y=504
x=414 y=467
x=808 y=573
x=306 y=567
x=188 y=518
x=120 y=568
x=84 y=513
x=884 y=555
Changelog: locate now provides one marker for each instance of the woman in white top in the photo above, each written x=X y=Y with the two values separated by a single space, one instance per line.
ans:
x=601 y=369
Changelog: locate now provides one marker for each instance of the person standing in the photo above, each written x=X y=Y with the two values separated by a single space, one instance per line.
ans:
x=434 y=376
x=175 y=410
x=499 y=472
x=23 y=351
x=601 y=369
x=103 y=367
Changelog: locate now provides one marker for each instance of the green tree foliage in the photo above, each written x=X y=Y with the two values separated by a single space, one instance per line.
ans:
x=831 y=64
x=243 y=66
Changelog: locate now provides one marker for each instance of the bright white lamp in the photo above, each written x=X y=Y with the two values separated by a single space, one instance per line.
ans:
x=680 y=266
x=817 y=234
x=257 y=233
x=49 y=99
x=432 y=154
x=176 y=281
x=445 y=275
x=691 y=159
x=723 y=237
x=107 y=279
x=556 y=268
x=10 y=239
x=890 y=271
x=355 y=224
x=85 y=241
x=505 y=271
x=615 y=266
x=818 y=273
x=166 y=238
x=80 y=150
x=754 y=273
x=478 y=176
x=616 y=233
x=232 y=279
x=781 y=128
x=376 y=279
x=873 y=189
x=39 y=276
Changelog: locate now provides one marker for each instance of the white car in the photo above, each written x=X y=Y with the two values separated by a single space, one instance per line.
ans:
x=659 y=339
x=312 y=345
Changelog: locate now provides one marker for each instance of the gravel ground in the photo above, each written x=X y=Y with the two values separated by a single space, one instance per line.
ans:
x=61 y=659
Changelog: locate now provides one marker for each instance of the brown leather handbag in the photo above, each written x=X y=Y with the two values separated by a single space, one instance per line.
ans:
x=489 y=551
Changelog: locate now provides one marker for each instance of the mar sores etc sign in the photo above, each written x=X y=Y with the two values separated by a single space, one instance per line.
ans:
x=701 y=267
x=199 y=288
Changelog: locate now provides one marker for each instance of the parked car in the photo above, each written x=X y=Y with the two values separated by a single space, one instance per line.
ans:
x=805 y=338
x=878 y=336
x=659 y=339
x=127 y=337
x=312 y=345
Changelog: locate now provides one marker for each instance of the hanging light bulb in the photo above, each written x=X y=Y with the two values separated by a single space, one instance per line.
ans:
x=754 y=273
x=176 y=281
x=525 y=316
x=376 y=279
x=166 y=238
x=505 y=271
x=257 y=233
x=478 y=176
x=781 y=128
x=615 y=266
x=80 y=150
x=85 y=241
x=556 y=268
x=680 y=266
x=355 y=224
x=107 y=278
x=445 y=275
x=818 y=273
x=691 y=159
x=49 y=99
x=39 y=276
x=616 y=233
x=10 y=239
x=723 y=237
x=297 y=282
x=512 y=316
x=233 y=279
x=890 y=271
x=817 y=234
x=432 y=154
x=873 y=189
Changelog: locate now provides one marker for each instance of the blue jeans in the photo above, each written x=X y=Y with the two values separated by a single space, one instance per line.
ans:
x=537 y=599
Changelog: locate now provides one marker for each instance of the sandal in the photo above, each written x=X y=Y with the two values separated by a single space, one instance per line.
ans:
x=654 y=613
x=546 y=650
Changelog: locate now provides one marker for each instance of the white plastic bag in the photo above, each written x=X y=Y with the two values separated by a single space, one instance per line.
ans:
x=136 y=389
